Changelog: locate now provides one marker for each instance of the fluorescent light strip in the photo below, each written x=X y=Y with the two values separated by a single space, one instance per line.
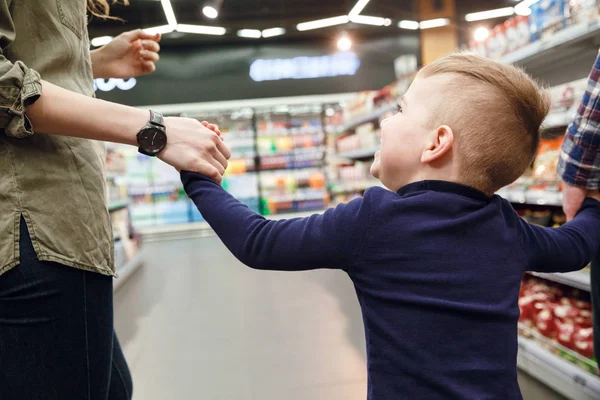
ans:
x=159 y=29
x=101 y=41
x=523 y=7
x=201 y=29
x=366 y=20
x=406 y=24
x=497 y=13
x=357 y=9
x=322 y=23
x=168 y=9
x=267 y=33
x=434 y=23
x=249 y=33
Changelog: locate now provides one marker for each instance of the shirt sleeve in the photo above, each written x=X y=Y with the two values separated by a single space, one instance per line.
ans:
x=331 y=240
x=568 y=248
x=20 y=86
x=579 y=163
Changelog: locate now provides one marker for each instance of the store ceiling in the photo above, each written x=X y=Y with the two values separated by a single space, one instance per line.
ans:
x=262 y=14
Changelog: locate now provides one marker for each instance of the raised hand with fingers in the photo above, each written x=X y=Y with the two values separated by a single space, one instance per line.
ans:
x=130 y=54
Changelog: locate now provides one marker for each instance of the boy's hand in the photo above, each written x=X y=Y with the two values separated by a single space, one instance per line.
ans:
x=214 y=128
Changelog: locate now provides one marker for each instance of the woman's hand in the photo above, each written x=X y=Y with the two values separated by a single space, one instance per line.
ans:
x=130 y=54
x=192 y=146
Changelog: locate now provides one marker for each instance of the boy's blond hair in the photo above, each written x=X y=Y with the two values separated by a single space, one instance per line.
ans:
x=496 y=111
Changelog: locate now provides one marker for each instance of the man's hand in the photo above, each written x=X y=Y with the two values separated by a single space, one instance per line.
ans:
x=193 y=147
x=573 y=197
x=130 y=54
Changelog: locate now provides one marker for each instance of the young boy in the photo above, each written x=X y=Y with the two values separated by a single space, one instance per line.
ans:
x=437 y=260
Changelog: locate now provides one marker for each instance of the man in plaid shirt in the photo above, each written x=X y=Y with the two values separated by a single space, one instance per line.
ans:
x=579 y=168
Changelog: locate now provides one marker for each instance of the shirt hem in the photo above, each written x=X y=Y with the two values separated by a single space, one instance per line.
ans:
x=64 y=261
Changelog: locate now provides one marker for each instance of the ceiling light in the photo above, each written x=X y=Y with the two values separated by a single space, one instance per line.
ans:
x=159 y=29
x=434 y=23
x=322 y=23
x=101 y=41
x=267 y=33
x=523 y=7
x=344 y=43
x=366 y=20
x=168 y=9
x=357 y=9
x=249 y=33
x=481 y=34
x=201 y=29
x=387 y=22
x=212 y=8
x=405 y=24
x=497 y=13
x=210 y=12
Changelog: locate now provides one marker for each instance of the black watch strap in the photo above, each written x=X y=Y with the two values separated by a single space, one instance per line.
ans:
x=156 y=118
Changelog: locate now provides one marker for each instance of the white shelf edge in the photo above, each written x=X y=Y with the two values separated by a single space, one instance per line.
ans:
x=577 y=279
x=564 y=36
x=558 y=374
x=360 y=153
x=368 y=118
x=128 y=270
x=118 y=205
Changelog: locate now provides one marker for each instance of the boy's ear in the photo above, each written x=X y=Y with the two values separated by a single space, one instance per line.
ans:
x=439 y=143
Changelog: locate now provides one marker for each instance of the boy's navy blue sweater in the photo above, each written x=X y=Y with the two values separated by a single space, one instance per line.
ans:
x=437 y=268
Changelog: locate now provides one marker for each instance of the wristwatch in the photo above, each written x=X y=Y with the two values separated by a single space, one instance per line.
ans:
x=152 y=138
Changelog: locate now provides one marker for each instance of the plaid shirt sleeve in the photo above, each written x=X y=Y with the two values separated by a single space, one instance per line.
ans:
x=579 y=163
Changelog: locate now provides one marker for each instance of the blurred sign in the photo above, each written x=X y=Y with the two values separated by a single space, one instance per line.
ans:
x=106 y=85
x=304 y=67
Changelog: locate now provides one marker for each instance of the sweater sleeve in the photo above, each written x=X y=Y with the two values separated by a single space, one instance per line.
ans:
x=568 y=248
x=331 y=240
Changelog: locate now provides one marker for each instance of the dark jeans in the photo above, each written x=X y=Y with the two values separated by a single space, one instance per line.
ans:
x=596 y=303
x=57 y=340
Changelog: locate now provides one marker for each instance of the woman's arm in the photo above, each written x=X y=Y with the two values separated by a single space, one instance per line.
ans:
x=190 y=146
x=28 y=104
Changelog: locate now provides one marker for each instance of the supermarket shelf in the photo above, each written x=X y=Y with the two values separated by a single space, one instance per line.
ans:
x=200 y=229
x=360 y=153
x=548 y=50
x=558 y=120
x=342 y=187
x=128 y=270
x=576 y=279
x=291 y=168
x=118 y=205
x=557 y=373
x=375 y=115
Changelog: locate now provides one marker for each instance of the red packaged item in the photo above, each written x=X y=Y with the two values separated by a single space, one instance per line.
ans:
x=564 y=334
x=544 y=322
x=583 y=342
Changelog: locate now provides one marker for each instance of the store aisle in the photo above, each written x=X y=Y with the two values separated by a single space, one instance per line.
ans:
x=195 y=324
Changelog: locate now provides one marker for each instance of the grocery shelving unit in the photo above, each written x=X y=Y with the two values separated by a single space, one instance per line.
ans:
x=575 y=279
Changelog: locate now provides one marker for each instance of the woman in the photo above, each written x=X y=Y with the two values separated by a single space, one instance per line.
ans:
x=56 y=247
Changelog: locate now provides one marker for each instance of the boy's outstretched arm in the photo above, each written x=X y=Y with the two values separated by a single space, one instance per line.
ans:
x=568 y=248
x=330 y=240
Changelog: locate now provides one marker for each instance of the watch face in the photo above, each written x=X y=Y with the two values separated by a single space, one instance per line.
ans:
x=152 y=140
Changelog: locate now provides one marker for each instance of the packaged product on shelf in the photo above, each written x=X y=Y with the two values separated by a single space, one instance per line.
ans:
x=581 y=11
x=544 y=167
x=562 y=316
x=547 y=17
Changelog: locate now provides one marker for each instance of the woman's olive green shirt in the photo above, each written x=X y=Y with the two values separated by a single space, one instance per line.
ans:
x=55 y=182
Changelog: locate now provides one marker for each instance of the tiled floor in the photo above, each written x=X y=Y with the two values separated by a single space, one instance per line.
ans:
x=196 y=324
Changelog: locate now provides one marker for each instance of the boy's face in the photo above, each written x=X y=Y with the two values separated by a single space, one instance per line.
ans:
x=405 y=136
